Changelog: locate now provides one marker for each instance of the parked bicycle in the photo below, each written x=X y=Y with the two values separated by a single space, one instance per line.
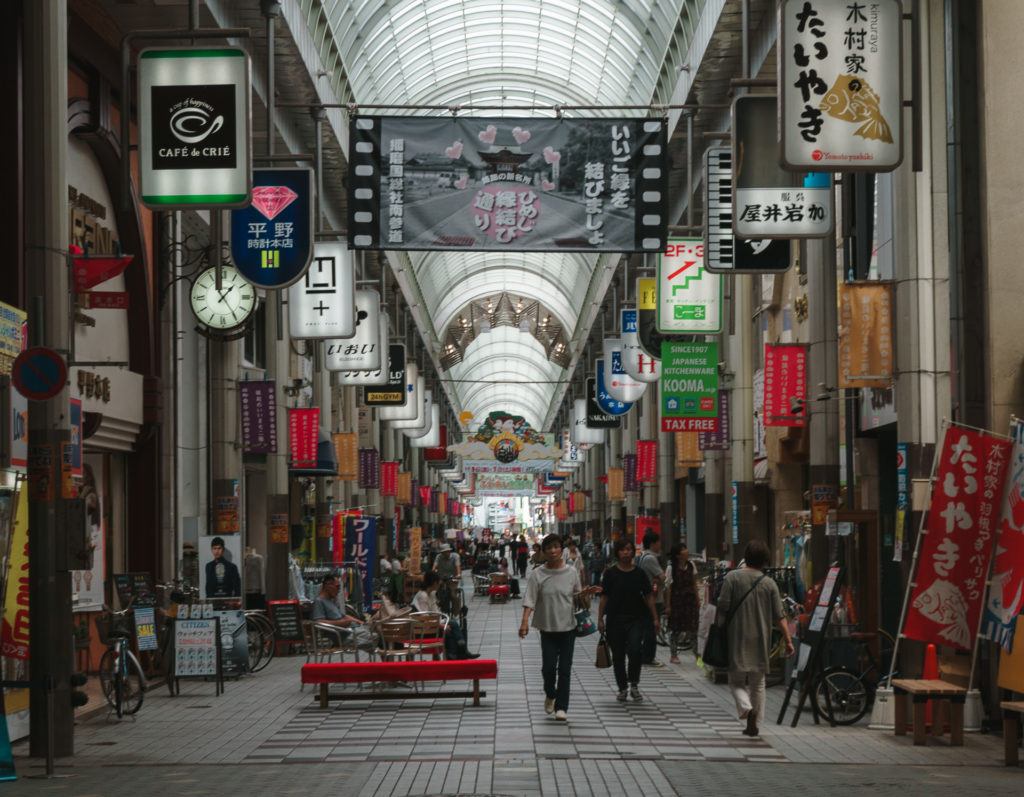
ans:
x=262 y=639
x=121 y=677
x=178 y=594
x=851 y=692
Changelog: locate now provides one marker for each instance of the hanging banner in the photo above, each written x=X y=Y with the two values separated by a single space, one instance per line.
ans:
x=629 y=483
x=596 y=417
x=688 y=451
x=376 y=376
x=637 y=362
x=620 y=385
x=361 y=548
x=647 y=316
x=719 y=440
x=403 y=489
x=389 y=478
x=769 y=202
x=369 y=469
x=785 y=384
x=361 y=352
x=322 y=305
x=646 y=461
x=607 y=404
x=528 y=184
x=303 y=436
x=424 y=492
x=411 y=407
x=841 y=85
x=258 y=402
x=75 y=423
x=438 y=453
x=1006 y=590
x=689 y=387
x=581 y=433
x=616 y=484
x=644 y=524
x=194 y=127
x=572 y=455
x=391 y=394
x=346 y=452
x=272 y=238
x=945 y=605
x=689 y=297
x=902 y=500
x=866 y=351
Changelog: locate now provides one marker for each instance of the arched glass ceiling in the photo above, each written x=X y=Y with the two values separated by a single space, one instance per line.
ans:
x=503 y=53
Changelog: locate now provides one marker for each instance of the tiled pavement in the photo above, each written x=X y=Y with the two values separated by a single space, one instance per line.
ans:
x=682 y=739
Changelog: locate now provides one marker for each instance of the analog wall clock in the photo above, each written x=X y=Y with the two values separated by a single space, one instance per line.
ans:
x=228 y=308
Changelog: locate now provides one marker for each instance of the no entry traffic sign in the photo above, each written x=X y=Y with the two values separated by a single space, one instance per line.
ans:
x=39 y=373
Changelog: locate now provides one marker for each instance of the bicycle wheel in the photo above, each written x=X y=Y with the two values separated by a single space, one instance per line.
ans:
x=847 y=695
x=108 y=673
x=133 y=685
x=260 y=633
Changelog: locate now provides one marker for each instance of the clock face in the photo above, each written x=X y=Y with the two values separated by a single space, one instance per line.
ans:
x=227 y=308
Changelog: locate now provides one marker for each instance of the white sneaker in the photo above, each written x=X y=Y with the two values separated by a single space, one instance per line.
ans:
x=561 y=716
x=549 y=705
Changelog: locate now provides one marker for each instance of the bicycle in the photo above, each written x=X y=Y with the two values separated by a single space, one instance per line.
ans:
x=450 y=597
x=262 y=639
x=179 y=594
x=121 y=677
x=851 y=693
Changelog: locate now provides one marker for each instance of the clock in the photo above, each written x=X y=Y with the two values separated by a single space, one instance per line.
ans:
x=225 y=309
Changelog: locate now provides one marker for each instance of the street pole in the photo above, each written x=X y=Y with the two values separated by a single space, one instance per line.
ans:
x=46 y=271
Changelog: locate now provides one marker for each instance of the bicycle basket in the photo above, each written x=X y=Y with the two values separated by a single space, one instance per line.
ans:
x=111 y=627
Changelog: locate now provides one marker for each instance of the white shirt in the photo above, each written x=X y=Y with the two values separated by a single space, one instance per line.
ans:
x=425 y=601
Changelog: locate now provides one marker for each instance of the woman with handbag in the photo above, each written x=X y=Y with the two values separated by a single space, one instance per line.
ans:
x=682 y=604
x=751 y=605
x=626 y=600
x=552 y=592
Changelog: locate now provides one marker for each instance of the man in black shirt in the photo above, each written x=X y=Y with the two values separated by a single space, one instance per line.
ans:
x=222 y=577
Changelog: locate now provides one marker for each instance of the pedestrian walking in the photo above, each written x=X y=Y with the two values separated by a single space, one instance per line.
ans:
x=552 y=592
x=752 y=605
x=598 y=562
x=627 y=605
x=522 y=549
x=682 y=604
x=648 y=562
x=574 y=558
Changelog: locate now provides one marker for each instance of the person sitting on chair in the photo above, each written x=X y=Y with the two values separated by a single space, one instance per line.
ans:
x=455 y=646
x=327 y=611
x=513 y=582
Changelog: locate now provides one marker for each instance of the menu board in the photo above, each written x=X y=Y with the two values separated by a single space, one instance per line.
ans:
x=287 y=620
x=135 y=587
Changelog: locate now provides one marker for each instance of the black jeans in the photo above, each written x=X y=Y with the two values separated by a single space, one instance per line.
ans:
x=556 y=648
x=650 y=643
x=521 y=562
x=626 y=636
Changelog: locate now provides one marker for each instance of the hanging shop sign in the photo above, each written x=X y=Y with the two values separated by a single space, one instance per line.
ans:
x=369 y=469
x=597 y=418
x=866 y=352
x=629 y=473
x=12 y=324
x=841 y=85
x=724 y=253
x=607 y=404
x=389 y=478
x=542 y=185
x=620 y=385
x=379 y=375
x=734 y=501
x=953 y=564
x=689 y=297
x=647 y=316
x=572 y=455
x=616 y=485
x=646 y=461
x=346 y=452
x=581 y=433
x=769 y=202
x=403 y=490
x=361 y=351
x=361 y=548
x=500 y=484
x=785 y=384
x=432 y=437
x=421 y=428
x=718 y=440
x=409 y=409
x=303 y=436
x=258 y=404
x=688 y=451
x=637 y=362
x=194 y=127
x=824 y=497
x=438 y=453
x=272 y=238
x=689 y=387
x=392 y=393
x=322 y=304
x=416 y=420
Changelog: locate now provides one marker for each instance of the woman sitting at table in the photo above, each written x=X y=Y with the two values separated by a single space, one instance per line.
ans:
x=425 y=600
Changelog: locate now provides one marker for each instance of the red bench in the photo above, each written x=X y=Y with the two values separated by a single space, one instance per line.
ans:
x=474 y=670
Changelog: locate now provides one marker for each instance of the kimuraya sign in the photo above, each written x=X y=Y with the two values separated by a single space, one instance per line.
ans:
x=194 y=127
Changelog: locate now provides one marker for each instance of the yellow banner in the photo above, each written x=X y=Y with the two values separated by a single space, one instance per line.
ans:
x=403 y=495
x=647 y=293
x=866 y=350
x=688 y=453
x=346 y=450
x=415 y=549
x=15 y=635
x=616 y=484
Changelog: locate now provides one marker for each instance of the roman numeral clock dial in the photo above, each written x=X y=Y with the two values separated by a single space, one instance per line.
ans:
x=228 y=308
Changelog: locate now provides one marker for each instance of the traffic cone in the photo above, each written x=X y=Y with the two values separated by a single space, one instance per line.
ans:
x=931 y=673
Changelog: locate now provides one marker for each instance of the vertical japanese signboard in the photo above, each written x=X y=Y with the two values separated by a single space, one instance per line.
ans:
x=619 y=384
x=689 y=298
x=369 y=469
x=841 y=85
x=689 y=387
x=629 y=483
x=605 y=401
x=646 y=461
x=322 y=304
x=303 y=436
x=785 y=384
x=346 y=452
x=194 y=127
x=945 y=604
x=902 y=499
x=389 y=478
x=258 y=402
x=597 y=418
x=272 y=238
x=717 y=440
x=866 y=353
x=638 y=363
x=361 y=351
x=734 y=502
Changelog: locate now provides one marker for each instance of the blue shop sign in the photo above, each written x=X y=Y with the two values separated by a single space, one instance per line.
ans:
x=608 y=405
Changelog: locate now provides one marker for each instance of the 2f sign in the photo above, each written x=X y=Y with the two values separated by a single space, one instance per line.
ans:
x=689 y=298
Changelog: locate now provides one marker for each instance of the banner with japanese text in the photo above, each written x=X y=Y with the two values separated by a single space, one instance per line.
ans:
x=528 y=184
x=403 y=492
x=717 y=440
x=945 y=605
x=303 y=436
x=346 y=451
x=369 y=468
x=616 y=485
x=644 y=524
x=389 y=478
x=416 y=549
x=646 y=461
x=866 y=351
x=1006 y=589
x=424 y=493
x=361 y=549
x=629 y=473
x=258 y=402
x=688 y=450
x=785 y=384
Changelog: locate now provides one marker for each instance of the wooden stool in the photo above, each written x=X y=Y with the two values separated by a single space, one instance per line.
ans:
x=943 y=694
x=1012 y=711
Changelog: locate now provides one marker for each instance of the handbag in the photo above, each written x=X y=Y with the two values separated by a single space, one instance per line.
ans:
x=585 y=625
x=716 y=649
x=604 y=658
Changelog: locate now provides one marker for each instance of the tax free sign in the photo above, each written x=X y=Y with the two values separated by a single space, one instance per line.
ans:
x=689 y=387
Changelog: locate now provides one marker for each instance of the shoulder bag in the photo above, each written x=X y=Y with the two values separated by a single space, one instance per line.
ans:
x=716 y=649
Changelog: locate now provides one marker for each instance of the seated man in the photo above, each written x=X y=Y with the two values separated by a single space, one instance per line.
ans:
x=327 y=611
x=425 y=600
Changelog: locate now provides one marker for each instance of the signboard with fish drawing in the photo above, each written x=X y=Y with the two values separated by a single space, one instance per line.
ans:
x=953 y=561
x=841 y=85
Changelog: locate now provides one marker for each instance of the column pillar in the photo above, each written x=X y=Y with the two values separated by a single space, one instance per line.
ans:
x=741 y=360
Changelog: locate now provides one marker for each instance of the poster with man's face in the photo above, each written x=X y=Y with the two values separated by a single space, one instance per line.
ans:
x=220 y=566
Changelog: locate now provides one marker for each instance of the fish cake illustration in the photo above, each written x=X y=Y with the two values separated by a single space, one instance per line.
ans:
x=852 y=99
x=944 y=604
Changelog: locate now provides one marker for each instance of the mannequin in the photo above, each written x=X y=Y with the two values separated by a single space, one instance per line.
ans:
x=254 y=579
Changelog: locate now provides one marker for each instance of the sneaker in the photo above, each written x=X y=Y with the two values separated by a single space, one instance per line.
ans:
x=549 y=705
x=751 y=729
x=656 y=664
x=621 y=696
x=561 y=716
x=674 y=660
x=634 y=693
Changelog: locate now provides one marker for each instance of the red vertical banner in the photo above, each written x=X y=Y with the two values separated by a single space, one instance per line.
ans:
x=785 y=384
x=644 y=524
x=389 y=478
x=303 y=435
x=338 y=538
x=646 y=461
x=425 y=497
x=439 y=454
x=945 y=606
x=570 y=506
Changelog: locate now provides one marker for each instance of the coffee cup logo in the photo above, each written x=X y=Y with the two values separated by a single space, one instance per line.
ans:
x=194 y=121
x=194 y=127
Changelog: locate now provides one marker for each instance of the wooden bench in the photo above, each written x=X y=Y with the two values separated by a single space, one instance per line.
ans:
x=921 y=691
x=474 y=670
x=1012 y=712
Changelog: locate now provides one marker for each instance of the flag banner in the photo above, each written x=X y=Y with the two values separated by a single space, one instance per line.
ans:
x=403 y=492
x=438 y=453
x=303 y=436
x=717 y=441
x=258 y=402
x=616 y=485
x=389 y=478
x=424 y=493
x=369 y=469
x=528 y=184
x=866 y=351
x=646 y=461
x=346 y=451
x=945 y=605
x=1006 y=589
x=629 y=473
x=361 y=548
x=688 y=451
x=785 y=384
